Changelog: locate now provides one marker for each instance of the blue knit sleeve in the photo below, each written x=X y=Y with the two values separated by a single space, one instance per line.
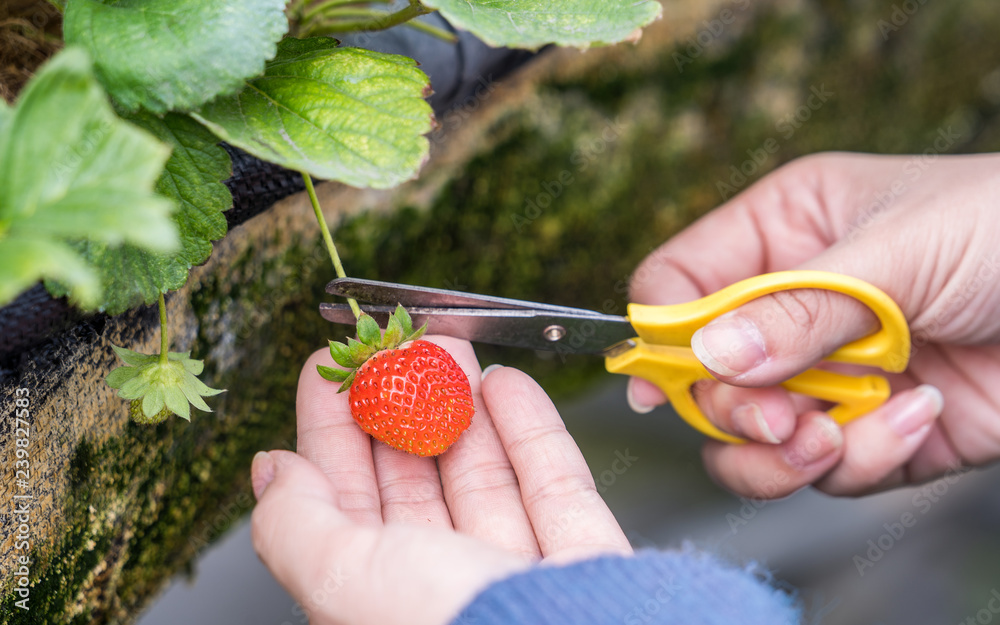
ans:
x=650 y=588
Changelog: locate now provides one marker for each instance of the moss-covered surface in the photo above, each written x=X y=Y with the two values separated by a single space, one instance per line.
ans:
x=617 y=149
x=645 y=145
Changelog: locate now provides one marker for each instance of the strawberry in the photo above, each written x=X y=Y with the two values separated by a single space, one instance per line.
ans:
x=405 y=392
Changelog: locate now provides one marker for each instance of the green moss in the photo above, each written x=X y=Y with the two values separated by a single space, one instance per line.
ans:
x=142 y=505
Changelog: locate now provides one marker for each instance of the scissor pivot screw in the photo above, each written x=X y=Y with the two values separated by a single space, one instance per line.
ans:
x=553 y=333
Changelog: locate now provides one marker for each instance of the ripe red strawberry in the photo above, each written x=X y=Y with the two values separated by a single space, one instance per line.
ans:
x=407 y=393
x=416 y=399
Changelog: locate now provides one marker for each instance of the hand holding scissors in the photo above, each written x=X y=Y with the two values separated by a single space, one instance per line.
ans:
x=652 y=342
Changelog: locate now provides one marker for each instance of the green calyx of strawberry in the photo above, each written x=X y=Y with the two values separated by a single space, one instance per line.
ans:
x=157 y=389
x=370 y=341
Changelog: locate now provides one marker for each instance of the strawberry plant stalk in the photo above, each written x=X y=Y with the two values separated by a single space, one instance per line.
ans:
x=334 y=16
x=328 y=239
x=321 y=8
x=382 y=20
x=164 y=339
x=302 y=10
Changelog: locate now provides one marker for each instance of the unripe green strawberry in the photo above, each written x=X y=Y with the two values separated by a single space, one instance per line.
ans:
x=407 y=393
x=157 y=387
x=137 y=415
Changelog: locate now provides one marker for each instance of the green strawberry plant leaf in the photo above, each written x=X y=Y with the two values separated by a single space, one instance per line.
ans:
x=174 y=54
x=341 y=354
x=360 y=352
x=193 y=177
x=157 y=389
x=333 y=375
x=534 y=23
x=394 y=332
x=73 y=170
x=342 y=114
x=368 y=330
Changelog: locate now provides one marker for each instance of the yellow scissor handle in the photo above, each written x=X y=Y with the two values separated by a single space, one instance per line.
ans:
x=661 y=354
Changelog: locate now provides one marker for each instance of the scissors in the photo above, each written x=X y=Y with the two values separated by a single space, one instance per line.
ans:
x=651 y=342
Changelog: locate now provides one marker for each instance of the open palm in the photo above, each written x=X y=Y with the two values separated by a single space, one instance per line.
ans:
x=383 y=531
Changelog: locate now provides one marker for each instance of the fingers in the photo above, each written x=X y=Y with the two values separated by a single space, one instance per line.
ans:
x=791 y=219
x=329 y=437
x=344 y=572
x=376 y=483
x=411 y=488
x=778 y=336
x=569 y=518
x=296 y=525
x=878 y=445
x=768 y=471
x=764 y=415
x=480 y=485
x=866 y=454
x=775 y=224
x=643 y=395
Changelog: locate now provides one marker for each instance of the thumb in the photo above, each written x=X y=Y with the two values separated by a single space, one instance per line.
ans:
x=341 y=572
x=775 y=337
x=308 y=544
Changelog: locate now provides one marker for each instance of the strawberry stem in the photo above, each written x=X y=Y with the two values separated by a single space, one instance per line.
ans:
x=334 y=16
x=164 y=340
x=328 y=239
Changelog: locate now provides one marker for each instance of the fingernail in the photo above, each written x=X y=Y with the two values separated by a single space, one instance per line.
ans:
x=821 y=440
x=913 y=418
x=729 y=346
x=637 y=406
x=261 y=472
x=748 y=419
x=489 y=370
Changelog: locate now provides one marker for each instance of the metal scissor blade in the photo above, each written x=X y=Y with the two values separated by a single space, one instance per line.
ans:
x=589 y=333
x=391 y=294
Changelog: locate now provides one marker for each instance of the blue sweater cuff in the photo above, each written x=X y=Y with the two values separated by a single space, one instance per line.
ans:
x=651 y=587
